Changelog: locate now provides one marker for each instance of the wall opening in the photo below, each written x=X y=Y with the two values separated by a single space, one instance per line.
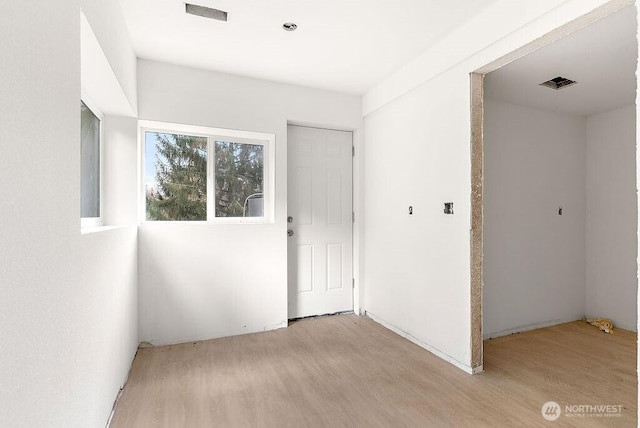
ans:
x=478 y=173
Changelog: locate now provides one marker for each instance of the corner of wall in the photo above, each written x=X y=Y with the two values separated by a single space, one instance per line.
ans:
x=108 y=23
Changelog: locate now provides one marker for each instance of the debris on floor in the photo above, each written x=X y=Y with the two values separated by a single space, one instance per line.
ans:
x=602 y=323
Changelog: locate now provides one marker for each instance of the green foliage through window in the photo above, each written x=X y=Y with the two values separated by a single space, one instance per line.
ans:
x=176 y=178
x=239 y=178
x=180 y=191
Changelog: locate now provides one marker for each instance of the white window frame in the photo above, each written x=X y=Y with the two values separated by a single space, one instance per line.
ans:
x=89 y=222
x=216 y=134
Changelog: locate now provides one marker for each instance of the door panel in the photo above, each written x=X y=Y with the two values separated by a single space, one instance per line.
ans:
x=305 y=271
x=320 y=205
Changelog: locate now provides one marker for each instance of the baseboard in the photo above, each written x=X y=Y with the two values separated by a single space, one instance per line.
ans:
x=115 y=404
x=165 y=341
x=527 y=327
x=434 y=351
x=119 y=394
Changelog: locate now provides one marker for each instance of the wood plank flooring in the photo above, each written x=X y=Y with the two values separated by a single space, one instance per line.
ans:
x=348 y=371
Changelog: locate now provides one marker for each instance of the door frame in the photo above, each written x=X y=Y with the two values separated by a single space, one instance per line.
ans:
x=477 y=160
x=356 y=206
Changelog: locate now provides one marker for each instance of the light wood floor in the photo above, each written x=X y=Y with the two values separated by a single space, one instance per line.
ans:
x=349 y=371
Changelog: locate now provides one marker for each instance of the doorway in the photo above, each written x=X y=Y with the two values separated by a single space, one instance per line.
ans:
x=320 y=221
x=551 y=206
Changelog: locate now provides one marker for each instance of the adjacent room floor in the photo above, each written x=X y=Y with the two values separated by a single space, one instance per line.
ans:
x=349 y=371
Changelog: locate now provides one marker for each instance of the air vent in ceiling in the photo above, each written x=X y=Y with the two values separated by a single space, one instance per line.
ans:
x=206 y=12
x=558 y=83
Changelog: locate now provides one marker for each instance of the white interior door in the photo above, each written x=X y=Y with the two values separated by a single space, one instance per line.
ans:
x=320 y=228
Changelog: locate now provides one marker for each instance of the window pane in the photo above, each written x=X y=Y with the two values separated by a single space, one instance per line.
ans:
x=175 y=177
x=90 y=163
x=239 y=178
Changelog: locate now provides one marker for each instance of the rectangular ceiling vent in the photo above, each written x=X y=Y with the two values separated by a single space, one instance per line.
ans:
x=558 y=83
x=206 y=12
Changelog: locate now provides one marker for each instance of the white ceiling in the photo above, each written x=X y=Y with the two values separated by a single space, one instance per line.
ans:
x=601 y=58
x=340 y=45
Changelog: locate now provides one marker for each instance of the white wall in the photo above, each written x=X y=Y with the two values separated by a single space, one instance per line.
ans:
x=68 y=306
x=417 y=152
x=534 y=258
x=500 y=29
x=611 y=223
x=121 y=171
x=417 y=266
x=108 y=24
x=199 y=281
x=536 y=262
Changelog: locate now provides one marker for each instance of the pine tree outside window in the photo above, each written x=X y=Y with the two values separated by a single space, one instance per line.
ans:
x=207 y=175
x=239 y=179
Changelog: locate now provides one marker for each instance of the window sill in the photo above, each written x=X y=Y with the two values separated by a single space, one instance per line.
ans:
x=207 y=223
x=97 y=229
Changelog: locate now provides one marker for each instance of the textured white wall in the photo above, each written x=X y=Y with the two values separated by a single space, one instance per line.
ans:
x=206 y=281
x=612 y=217
x=68 y=306
x=534 y=259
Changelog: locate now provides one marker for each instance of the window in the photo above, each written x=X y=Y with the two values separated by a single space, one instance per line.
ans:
x=239 y=179
x=90 y=167
x=206 y=174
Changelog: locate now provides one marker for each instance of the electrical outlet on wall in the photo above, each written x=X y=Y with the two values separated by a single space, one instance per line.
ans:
x=448 y=207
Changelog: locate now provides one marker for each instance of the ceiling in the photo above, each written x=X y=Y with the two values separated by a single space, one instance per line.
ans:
x=340 y=45
x=601 y=58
